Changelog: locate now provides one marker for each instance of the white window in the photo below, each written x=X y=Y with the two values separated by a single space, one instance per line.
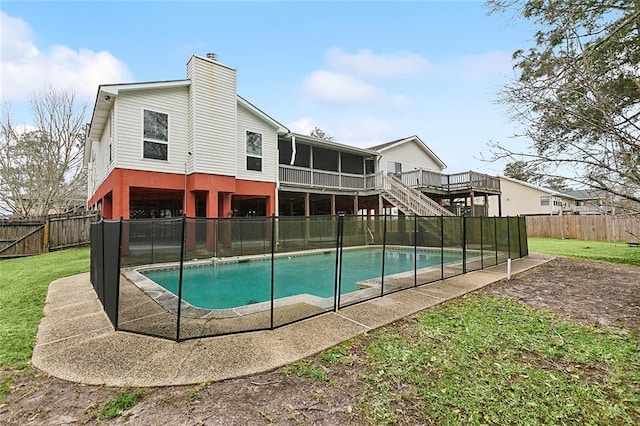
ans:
x=393 y=167
x=156 y=135
x=254 y=151
x=544 y=200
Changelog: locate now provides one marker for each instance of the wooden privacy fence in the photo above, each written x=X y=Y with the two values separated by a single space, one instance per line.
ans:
x=585 y=227
x=29 y=236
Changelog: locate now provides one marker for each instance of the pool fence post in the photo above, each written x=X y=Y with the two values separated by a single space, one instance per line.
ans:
x=272 y=266
x=495 y=235
x=384 y=247
x=103 y=258
x=464 y=244
x=519 y=239
x=336 y=303
x=340 y=251
x=415 y=250
x=441 y=247
x=481 y=245
x=184 y=221
x=152 y=239
x=508 y=240
x=115 y=321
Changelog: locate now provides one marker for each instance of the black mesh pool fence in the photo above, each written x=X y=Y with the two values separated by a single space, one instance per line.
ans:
x=185 y=278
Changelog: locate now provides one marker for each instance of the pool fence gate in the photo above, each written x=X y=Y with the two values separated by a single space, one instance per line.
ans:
x=231 y=275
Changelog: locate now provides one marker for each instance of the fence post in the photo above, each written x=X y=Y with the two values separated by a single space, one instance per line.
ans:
x=519 y=240
x=273 y=245
x=464 y=244
x=115 y=326
x=415 y=250
x=495 y=235
x=481 y=245
x=384 y=246
x=508 y=239
x=182 y=244
x=442 y=247
x=340 y=249
x=45 y=234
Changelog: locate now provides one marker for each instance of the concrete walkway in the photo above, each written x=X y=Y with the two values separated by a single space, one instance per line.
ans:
x=76 y=341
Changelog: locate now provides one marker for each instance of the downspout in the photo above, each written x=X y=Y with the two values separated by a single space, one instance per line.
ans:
x=293 y=150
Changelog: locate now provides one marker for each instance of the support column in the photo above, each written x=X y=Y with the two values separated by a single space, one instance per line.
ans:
x=307 y=204
x=190 y=204
x=212 y=224
x=473 y=213
x=500 y=205
x=226 y=231
x=380 y=205
x=355 y=205
x=333 y=204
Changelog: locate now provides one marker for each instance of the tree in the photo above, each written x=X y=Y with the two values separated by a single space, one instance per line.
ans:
x=317 y=132
x=577 y=92
x=41 y=170
x=522 y=170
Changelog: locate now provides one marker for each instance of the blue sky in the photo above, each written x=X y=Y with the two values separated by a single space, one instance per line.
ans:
x=365 y=72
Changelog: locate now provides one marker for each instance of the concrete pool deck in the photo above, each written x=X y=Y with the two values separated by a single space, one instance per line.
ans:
x=76 y=341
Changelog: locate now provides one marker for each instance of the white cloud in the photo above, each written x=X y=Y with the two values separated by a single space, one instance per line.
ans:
x=483 y=66
x=365 y=131
x=303 y=126
x=25 y=69
x=339 y=88
x=365 y=63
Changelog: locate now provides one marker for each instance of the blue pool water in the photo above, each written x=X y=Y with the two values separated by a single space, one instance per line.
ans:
x=232 y=285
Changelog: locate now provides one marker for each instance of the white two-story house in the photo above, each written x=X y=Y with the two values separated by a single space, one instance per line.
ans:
x=194 y=147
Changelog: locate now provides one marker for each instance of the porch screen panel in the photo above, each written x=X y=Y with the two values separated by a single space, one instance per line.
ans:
x=325 y=159
x=303 y=155
x=351 y=163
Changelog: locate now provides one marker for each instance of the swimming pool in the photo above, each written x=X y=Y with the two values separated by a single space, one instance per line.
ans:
x=221 y=285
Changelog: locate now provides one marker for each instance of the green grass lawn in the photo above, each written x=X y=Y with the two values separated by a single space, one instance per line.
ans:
x=23 y=289
x=594 y=250
x=486 y=360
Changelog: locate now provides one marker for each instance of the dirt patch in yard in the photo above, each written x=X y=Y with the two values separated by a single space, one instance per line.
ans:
x=315 y=391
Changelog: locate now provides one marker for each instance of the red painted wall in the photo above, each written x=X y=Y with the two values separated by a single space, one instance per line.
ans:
x=114 y=191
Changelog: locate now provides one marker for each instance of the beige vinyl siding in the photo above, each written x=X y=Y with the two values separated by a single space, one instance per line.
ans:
x=519 y=199
x=131 y=104
x=214 y=109
x=411 y=156
x=248 y=121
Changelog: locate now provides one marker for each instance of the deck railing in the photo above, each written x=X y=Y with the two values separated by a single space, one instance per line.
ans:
x=301 y=176
x=420 y=179
x=455 y=182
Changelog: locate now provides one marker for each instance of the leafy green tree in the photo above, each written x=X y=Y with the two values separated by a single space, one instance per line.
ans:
x=41 y=170
x=317 y=132
x=577 y=92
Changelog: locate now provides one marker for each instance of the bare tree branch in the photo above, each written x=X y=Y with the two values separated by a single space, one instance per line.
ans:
x=41 y=170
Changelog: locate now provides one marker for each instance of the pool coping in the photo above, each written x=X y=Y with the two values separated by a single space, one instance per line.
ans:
x=76 y=341
x=368 y=288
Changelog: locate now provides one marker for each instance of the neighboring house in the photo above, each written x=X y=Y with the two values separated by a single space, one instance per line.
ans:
x=523 y=198
x=194 y=147
x=591 y=201
x=407 y=154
